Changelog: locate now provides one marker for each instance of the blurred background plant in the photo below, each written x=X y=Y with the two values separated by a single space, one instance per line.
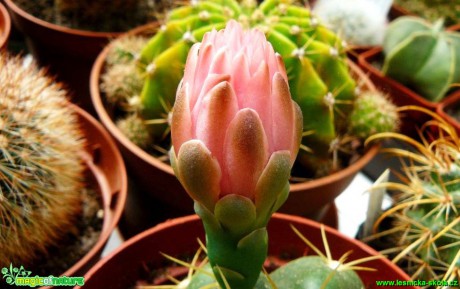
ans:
x=433 y=10
x=358 y=22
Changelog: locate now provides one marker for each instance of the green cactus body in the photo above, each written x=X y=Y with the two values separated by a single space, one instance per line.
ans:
x=302 y=273
x=422 y=56
x=315 y=60
x=41 y=170
x=315 y=272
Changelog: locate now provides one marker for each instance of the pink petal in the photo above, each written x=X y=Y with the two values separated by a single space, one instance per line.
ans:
x=211 y=81
x=245 y=152
x=219 y=108
x=181 y=122
x=257 y=97
x=283 y=114
x=199 y=172
x=191 y=64
x=240 y=77
x=221 y=62
x=200 y=73
x=298 y=129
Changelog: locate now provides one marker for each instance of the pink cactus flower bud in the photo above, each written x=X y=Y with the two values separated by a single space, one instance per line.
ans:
x=234 y=127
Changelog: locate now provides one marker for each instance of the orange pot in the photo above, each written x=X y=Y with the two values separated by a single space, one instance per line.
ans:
x=5 y=27
x=69 y=53
x=178 y=237
x=108 y=175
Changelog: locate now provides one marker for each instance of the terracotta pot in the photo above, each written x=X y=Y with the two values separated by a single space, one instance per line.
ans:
x=108 y=175
x=5 y=27
x=450 y=103
x=311 y=199
x=400 y=94
x=69 y=53
x=178 y=237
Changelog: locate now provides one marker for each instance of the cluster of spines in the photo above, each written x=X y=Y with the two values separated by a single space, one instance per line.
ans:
x=41 y=170
x=426 y=217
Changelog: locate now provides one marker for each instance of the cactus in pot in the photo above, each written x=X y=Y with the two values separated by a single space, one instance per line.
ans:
x=318 y=74
x=423 y=56
x=41 y=166
x=424 y=236
x=233 y=148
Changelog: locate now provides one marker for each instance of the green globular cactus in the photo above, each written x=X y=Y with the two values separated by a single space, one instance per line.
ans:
x=373 y=113
x=424 y=238
x=313 y=271
x=41 y=169
x=422 y=56
x=318 y=74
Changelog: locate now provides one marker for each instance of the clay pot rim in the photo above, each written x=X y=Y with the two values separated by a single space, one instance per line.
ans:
x=5 y=20
x=289 y=219
x=117 y=134
x=111 y=215
x=62 y=29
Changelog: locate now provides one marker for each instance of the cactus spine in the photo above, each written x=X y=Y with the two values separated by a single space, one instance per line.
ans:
x=41 y=171
x=426 y=217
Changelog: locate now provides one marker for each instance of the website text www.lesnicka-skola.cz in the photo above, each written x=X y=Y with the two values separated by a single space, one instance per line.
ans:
x=420 y=283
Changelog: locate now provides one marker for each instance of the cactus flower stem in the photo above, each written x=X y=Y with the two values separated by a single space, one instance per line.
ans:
x=235 y=132
x=236 y=256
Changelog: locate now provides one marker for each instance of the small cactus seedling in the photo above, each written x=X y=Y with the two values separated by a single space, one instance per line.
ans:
x=426 y=221
x=41 y=171
x=423 y=56
x=373 y=113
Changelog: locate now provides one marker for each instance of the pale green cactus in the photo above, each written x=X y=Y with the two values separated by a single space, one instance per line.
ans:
x=41 y=169
x=423 y=56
